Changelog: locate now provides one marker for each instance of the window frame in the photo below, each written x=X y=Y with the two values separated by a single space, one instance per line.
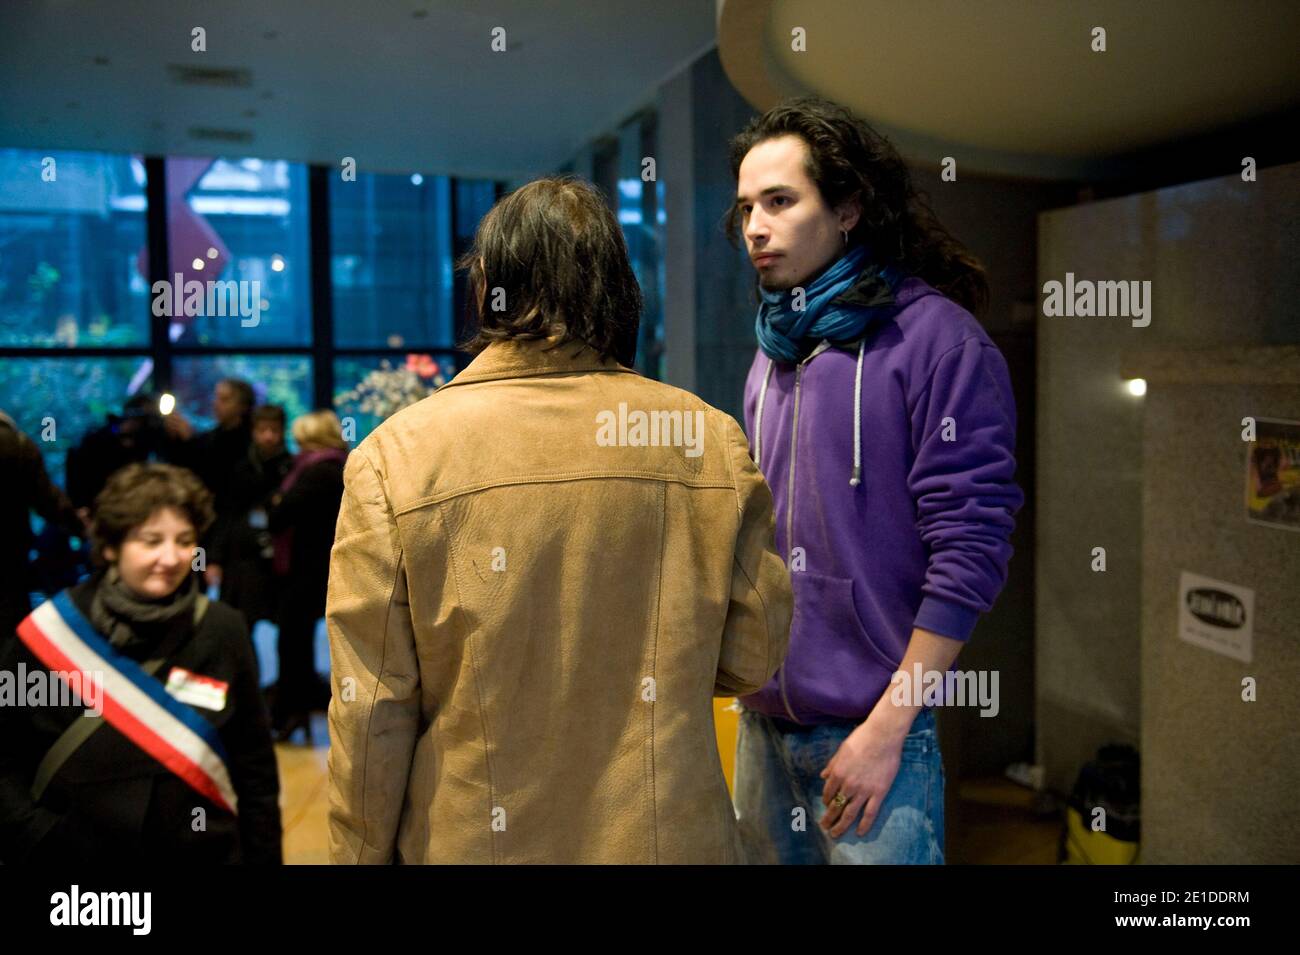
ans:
x=322 y=352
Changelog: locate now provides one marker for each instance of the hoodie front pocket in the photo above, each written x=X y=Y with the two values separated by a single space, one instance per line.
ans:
x=828 y=629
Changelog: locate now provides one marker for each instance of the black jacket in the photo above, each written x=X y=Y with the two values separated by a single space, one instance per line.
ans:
x=310 y=508
x=111 y=801
x=213 y=456
x=24 y=486
x=242 y=545
x=253 y=480
x=118 y=442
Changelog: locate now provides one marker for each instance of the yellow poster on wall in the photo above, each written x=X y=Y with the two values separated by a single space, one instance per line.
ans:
x=1273 y=474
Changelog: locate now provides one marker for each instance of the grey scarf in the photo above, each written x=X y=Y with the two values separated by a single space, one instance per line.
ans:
x=120 y=614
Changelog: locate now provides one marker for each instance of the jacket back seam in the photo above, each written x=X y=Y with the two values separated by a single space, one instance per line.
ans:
x=515 y=372
x=478 y=691
x=383 y=660
x=654 y=673
x=557 y=479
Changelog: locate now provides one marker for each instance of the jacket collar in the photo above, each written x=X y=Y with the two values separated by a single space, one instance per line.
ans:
x=524 y=359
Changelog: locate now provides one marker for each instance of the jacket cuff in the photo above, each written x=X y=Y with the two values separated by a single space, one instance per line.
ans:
x=946 y=618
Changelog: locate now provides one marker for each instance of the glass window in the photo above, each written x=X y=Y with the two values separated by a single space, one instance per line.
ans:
x=369 y=388
x=240 y=234
x=474 y=200
x=391 y=261
x=284 y=380
x=57 y=401
x=638 y=205
x=73 y=269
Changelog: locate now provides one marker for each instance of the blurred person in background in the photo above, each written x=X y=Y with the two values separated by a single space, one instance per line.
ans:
x=25 y=486
x=181 y=731
x=137 y=434
x=240 y=556
x=214 y=454
x=301 y=519
x=219 y=449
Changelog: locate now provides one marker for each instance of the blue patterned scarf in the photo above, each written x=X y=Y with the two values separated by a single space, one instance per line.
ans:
x=838 y=306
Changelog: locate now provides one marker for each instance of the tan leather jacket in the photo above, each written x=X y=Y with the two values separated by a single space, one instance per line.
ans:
x=529 y=615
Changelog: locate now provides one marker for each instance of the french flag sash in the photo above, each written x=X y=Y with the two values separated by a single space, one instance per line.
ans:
x=135 y=704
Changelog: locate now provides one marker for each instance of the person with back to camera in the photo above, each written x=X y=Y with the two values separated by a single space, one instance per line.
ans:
x=532 y=605
x=301 y=518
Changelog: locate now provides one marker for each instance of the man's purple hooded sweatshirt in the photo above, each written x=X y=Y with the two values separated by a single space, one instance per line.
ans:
x=923 y=539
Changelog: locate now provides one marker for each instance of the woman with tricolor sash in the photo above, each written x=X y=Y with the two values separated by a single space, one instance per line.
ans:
x=132 y=727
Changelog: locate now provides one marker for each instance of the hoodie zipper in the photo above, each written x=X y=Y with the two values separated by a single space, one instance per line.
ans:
x=789 y=510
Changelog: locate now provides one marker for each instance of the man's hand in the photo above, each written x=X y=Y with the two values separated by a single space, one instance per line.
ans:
x=863 y=769
x=178 y=426
x=864 y=766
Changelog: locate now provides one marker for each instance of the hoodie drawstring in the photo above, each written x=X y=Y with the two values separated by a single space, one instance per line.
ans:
x=856 y=477
x=758 y=416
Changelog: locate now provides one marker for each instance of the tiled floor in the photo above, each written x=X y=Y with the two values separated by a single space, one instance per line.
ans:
x=995 y=819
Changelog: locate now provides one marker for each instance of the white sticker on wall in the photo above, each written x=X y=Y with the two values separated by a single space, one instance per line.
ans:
x=1216 y=615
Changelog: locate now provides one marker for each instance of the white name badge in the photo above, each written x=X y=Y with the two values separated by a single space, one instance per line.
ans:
x=197 y=690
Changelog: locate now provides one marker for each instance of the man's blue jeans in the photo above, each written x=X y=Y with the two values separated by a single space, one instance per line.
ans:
x=778 y=767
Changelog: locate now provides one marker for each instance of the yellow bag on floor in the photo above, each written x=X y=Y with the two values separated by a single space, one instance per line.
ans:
x=1102 y=816
x=1083 y=846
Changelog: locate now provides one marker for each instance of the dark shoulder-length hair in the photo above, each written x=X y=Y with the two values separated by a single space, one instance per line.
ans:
x=848 y=159
x=549 y=259
x=134 y=493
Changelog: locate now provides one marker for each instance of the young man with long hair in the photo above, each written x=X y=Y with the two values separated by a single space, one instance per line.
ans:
x=881 y=414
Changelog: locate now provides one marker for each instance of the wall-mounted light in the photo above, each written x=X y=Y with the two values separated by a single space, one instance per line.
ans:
x=1137 y=387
